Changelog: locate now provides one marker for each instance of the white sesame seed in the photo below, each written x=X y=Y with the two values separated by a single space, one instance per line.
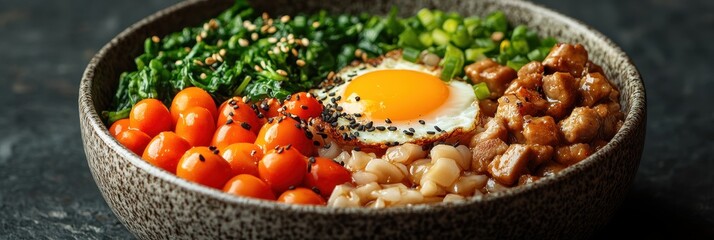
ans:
x=300 y=62
x=285 y=19
x=243 y=43
x=155 y=39
x=282 y=72
x=203 y=76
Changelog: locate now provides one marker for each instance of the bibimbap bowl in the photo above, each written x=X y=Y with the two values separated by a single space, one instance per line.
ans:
x=153 y=203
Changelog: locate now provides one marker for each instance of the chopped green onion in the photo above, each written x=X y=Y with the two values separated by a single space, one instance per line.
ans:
x=453 y=63
x=517 y=62
x=497 y=22
x=426 y=17
x=425 y=39
x=409 y=38
x=411 y=54
x=481 y=91
x=519 y=33
x=450 y=25
x=461 y=37
x=475 y=54
x=440 y=37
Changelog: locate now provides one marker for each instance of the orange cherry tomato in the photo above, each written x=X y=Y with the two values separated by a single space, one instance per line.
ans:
x=249 y=186
x=243 y=158
x=134 y=140
x=151 y=117
x=301 y=196
x=269 y=107
x=303 y=105
x=119 y=126
x=204 y=166
x=196 y=125
x=325 y=174
x=192 y=97
x=235 y=132
x=283 y=131
x=165 y=151
x=282 y=168
x=239 y=111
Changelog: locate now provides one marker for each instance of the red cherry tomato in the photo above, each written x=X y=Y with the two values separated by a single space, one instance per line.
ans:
x=282 y=168
x=134 y=140
x=192 y=97
x=325 y=174
x=304 y=105
x=283 y=131
x=249 y=186
x=151 y=117
x=119 y=126
x=204 y=166
x=165 y=151
x=243 y=158
x=301 y=196
x=269 y=107
x=235 y=132
x=196 y=125
x=239 y=111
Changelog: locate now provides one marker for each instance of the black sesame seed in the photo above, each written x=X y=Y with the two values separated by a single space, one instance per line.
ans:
x=253 y=152
x=430 y=132
x=438 y=129
x=212 y=148
x=381 y=128
x=303 y=107
x=231 y=114
x=232 y=102
x=316 y=190
x=334 y=124
x=388 y=120
x=339 y=109
x=245 y=125
x=280 y=150
x=342 y=128
x=392 y=128
x=422 y=122
x=408 y=133
x=369 y=124
x=357 y=149
x=235 y=106
x=370 y=129
x=411 y=129
x=280 y=120
x=316 y=143
x=345 y=136
x=291 y=187
x=276 y=147
x=216 y=152
x=311 y=160
x=200 y=157
x=260 y=115
x=357 y=98
x=270 y=120
x=356 y=133
x=265 y=106
x=358 y=115
x=327 y=145
x=287 y=147
x=308 y=134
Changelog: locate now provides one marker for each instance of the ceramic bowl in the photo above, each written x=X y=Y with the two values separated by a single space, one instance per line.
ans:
x=155 y=204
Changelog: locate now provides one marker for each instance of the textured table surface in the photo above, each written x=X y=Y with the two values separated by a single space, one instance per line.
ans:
x=46 y=190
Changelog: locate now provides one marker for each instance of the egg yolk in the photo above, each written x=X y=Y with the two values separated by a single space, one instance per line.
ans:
x=395 y=94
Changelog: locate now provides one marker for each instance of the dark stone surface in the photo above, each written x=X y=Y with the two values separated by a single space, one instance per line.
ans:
x=46 y=190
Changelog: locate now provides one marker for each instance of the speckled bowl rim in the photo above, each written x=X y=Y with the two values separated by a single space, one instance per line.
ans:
x=637 y=108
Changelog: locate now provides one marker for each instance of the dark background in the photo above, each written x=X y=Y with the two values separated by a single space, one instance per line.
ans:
x=46 y=189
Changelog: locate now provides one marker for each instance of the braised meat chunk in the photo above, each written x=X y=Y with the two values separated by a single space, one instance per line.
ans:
x=593 y=87
x=507 y=168
x=495 y=76
x=566 y=58
x=560 y=89
x=582 y=126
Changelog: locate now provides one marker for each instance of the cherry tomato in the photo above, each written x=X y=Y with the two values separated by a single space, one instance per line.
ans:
x=282 y=168
x=303 y=105
x=192 y=97
x=165 y=151
x=119 y=126
x=228 y=134
x=283 y=131
x=325 y=174
x=249 y=186
x=204 y=166
x=301 y=196
x=243 y=158
x=196 y=125
x=239 y=111
x=151 y=117
x=269 y=107
x=134 y=140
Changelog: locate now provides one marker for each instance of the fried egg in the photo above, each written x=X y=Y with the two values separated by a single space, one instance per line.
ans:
x=389 y=101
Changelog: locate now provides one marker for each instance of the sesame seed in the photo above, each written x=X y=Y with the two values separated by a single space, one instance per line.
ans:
x=303 y=107
x=282 y=72
x=254 y=36
x=285 y=19
x=381 y=128
x=411 y=129
x=245 y=125
x=422 y=122
x=201 y=158
x=216 y=151
x=197 y=62
x=316 y=190
x=408 y=133
x=222 y=52
x=305 y=41
x=357 y=98
x=357 y=149
x=203 y=76
x=280 y=150
x=155 y=39
x=315 y=24
x=210 y=61
x=272 y=40
x=229 y=121
x=438 y=129
x=272 y=29
x=358 y=52
x=430 y=132
x=392 y=128
x=300 y=62
x=316 y=143
x=287 y=147
x=388 y=120
x=258 y=68
x=291 y=187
